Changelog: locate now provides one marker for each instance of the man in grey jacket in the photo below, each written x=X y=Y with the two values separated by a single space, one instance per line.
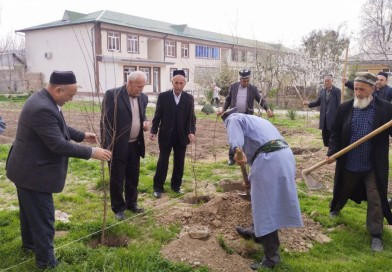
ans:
x=38 y=160
x=242 y=95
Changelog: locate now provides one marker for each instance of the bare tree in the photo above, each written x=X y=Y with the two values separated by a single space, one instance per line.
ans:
x=376 y=29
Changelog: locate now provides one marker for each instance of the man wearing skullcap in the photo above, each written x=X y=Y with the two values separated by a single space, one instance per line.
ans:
x=362 y=173
x=175 y=120
x=328 y=101
x=242 y=95
x=38 y=160
x=382 y=90
x=272 y=181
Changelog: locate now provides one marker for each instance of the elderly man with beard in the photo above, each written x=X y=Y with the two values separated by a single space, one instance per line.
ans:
x=362 y=173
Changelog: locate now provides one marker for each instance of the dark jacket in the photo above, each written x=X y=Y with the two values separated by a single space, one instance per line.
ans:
x=252 y=95
x=165 y=114
x=328 y=106
x=116 y=121
x=38 y=159
x=340 y=138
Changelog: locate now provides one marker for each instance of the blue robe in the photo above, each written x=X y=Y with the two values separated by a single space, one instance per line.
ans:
x=272 y=175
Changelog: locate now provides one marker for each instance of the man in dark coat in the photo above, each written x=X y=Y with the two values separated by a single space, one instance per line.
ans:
x=176 y=121
x=122 y=124
x=382 y=90
x=362 y=173
x=242 y=95
x=38 y=160
x=328 y=101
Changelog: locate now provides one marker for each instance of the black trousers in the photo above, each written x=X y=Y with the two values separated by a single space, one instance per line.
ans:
x=270 y=243
x=124 y=179
x=375 y=215
x=36 y=211
x=163 y=164
x=325 y=133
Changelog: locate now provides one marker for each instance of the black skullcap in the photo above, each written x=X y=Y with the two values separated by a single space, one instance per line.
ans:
x=383 y=74
x=228 y=112
x=178 y=72
x=62 y=78
x=366 y=77
x=244 y=73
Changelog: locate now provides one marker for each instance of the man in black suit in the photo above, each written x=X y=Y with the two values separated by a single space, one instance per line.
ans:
x=175 y=118
x=38 y=160
x=328 y=101
x=123 y=120
x=242 y=95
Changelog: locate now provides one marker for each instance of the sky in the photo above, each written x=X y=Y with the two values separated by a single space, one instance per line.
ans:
x=272 y=21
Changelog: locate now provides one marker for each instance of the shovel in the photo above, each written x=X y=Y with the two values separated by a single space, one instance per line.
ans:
x=245 y=194
x=312 y=183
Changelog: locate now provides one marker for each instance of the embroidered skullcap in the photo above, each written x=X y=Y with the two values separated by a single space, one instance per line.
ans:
x=178 y=72
x=383 y=74
x=244 y=73
x=227 y=113
x=62 y=78
x=366 y=77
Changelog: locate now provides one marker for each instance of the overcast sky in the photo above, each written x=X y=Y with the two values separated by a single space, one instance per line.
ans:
x=275 y=21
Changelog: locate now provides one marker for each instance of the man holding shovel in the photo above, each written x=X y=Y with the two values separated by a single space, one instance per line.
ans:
x=362 y=173
x=272 y=178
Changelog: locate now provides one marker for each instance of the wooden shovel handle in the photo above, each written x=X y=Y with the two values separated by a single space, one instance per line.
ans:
x=240 y=157
x=350 y=147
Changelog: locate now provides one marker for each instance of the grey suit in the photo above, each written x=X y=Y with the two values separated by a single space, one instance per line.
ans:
x=37 y=164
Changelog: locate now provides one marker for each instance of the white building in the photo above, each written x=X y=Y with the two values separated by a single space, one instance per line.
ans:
x=104 y=46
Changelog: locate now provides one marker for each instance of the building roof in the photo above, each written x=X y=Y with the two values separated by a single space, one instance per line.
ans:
x=183 y=30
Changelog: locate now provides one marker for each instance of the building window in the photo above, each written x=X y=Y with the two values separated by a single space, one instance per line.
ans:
x=147 y=71
x=170 y=49
x=186 y=74
x=127 y=70
x=113 y=41
x=242 y=55
x=171 y=73
x=133 y=44
x=207 y=52
x=185 y=50
x=234 y=54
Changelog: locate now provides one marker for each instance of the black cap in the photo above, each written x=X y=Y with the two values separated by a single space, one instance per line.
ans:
x=244 y=73
x=62 y=78
x=227 y=113
x=178 y=72
x=383 y=74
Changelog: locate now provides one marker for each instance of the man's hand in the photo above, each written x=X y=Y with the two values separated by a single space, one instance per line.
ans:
x=305 y=103
x=239 y=156
x=146 y=125
x=101 y=154
x=90 y=137
x=270 y=113
x=192 y=137
x=330 y=159
x=219 y=112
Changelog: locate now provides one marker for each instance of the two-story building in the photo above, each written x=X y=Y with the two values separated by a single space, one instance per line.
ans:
x=103 y=47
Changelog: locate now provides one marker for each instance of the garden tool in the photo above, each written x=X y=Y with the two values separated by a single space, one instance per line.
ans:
x=312 y=183
x=246 y=194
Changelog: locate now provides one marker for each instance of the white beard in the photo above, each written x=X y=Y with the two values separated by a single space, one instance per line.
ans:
x=362 y=103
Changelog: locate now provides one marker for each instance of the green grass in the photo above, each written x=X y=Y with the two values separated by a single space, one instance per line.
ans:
x=82 y=197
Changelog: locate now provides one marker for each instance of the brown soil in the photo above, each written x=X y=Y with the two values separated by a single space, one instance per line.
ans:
x=218 y=213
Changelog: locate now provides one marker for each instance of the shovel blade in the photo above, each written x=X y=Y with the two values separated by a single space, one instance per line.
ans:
x=311 y=183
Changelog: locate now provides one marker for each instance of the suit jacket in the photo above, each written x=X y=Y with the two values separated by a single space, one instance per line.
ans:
x=38 y=158
x=252 y=95
x=116 y=121
x=328 y=106
x=340 y=138
x=165 y=114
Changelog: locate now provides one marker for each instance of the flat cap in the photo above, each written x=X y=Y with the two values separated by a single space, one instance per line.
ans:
x=244 y=73
x=62 y=78
x=366 y=77
x=178 y=72
x=383 y=74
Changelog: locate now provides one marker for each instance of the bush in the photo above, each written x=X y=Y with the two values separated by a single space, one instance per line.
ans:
x=292 y=114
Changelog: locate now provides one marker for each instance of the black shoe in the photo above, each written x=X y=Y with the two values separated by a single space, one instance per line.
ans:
x=179 y=191
x=256 y=266
x=230 y=162
x=377 y=244
x=136 y=209
x=247 y=234
x=120 y=216
x=157 y=194
x=334 y=214
x=49 y=266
